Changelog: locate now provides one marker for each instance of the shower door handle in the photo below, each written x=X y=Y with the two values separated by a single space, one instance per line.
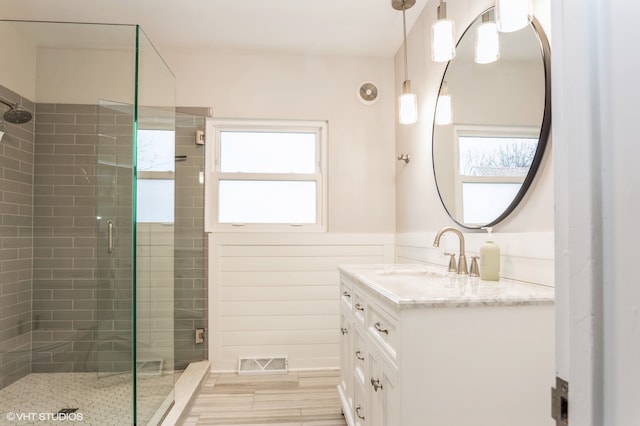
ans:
x=110 y=237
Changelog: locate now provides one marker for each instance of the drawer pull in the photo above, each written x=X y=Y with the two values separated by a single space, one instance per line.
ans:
x=358 y=408
x=359 y=307
x=344 y=331
x=378 y=327
x=359 y=355
x=346 y=294
x=376 y=384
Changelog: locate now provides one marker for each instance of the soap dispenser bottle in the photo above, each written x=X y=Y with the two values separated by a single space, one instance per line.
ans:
x=489 y=259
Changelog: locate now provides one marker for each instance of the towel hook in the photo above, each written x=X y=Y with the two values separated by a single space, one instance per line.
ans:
x=404 y=157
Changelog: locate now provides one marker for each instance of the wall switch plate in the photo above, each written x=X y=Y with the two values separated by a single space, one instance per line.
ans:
x=199 y=338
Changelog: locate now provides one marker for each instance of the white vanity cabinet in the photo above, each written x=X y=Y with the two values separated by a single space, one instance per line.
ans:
x=346 y=348
x=432 y=350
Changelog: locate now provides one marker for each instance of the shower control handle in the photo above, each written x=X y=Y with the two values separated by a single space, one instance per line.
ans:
x=110 y=236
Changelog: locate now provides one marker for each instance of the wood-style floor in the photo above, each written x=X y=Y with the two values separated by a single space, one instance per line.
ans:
x=293 y=399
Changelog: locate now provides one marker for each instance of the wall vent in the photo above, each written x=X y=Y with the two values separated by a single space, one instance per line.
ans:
x=278 y=365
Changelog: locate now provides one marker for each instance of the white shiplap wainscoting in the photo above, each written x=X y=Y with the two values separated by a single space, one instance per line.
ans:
x=524 y=256
x=276 y=294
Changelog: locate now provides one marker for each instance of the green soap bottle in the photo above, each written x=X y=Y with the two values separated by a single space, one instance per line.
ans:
x=489 y=259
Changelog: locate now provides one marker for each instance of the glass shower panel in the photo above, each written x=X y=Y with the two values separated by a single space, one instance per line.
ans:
x=155 y=183
x=191 y=241
x=94 y=334
x=115 y=241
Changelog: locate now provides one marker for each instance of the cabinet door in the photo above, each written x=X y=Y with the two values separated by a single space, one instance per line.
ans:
x=360 y=413
x=346 y=361
x=383 y=402
x=359 y=356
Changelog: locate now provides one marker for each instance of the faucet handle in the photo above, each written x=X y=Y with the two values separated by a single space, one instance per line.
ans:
x=452 y=262
x=475 y=270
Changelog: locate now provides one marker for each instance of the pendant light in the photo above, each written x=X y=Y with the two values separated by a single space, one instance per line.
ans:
x=443 y=107
x=487 y=40
x=443 y=45
x=408 y=101
x=408 y=104
x=513 y=15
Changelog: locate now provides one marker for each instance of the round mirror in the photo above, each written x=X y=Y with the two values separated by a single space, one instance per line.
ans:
x=491 y=124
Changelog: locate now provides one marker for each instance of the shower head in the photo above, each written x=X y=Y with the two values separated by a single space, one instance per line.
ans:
x=16 y=114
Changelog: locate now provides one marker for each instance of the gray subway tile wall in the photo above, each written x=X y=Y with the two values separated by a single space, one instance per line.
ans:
x=51 y=296
x=114 y=293
x=190 y=266
x=65 y=239
x=16 y=243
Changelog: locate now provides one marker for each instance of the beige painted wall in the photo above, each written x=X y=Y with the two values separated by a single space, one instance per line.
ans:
x=369 y=191
x=289 y=86
x=361 y=178
x=85 y=76
x=253 y=85
x=18 y=70
x=276 y=294
x=418 y=208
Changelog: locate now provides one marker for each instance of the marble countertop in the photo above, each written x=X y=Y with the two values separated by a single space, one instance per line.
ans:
x=418 y=286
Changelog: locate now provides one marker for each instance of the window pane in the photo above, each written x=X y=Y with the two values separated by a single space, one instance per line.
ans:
x=156 y=152
x=484 y=202
x=496 y=156
x=267 y=152
x=155 y=200
x=251 y=201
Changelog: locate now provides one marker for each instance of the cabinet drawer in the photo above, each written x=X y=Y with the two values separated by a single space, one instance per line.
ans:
x=360 y=405
x=346 y=295
x=359 y=306
x=383 y=328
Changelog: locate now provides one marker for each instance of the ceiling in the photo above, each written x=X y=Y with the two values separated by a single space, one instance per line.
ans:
x=355 y=27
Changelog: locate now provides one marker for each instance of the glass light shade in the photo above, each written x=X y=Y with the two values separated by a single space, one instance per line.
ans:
x=513 y=15
x=408 y=107
x=443 y=110
x=443 y=45
x=487 y=43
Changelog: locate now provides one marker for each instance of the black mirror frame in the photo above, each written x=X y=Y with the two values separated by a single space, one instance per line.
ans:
x=543 y=138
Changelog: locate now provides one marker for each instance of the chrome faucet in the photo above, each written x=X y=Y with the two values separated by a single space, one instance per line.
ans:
x=462 y=260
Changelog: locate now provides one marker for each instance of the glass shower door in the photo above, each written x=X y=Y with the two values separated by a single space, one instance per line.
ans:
x=154 y=230
x=154 y=265
x=136 y=238
x=115 y=271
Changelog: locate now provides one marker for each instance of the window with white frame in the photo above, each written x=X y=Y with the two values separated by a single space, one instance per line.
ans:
x=156 y=179
x=266 y=175
x=493 y=163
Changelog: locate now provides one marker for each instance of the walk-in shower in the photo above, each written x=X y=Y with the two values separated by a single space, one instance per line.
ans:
x=97 y=291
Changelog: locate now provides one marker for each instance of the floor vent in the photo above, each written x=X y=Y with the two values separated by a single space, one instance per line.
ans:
x=278 y=365
x=150 y=368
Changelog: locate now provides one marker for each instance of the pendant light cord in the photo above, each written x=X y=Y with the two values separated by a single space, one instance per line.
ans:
x=404 y=32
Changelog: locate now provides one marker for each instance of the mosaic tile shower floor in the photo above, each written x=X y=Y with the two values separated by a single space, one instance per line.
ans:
x=36 y=398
